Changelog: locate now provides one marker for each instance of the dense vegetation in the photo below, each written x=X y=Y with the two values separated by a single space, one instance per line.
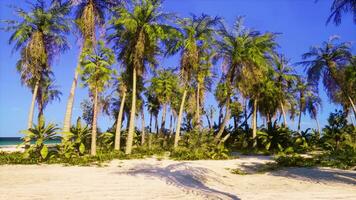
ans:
x=255 y=82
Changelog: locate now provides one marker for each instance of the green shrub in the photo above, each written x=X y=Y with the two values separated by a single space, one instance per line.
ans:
x=39 y=134
x=77 y=141
x=197 y=145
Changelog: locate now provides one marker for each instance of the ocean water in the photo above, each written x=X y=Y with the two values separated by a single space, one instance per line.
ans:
x=4 y=141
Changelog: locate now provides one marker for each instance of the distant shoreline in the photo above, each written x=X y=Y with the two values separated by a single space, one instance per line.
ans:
x=14 y=141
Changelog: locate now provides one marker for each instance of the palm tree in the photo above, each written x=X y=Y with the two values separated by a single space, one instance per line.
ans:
x=349 y=84
x=339 y=7
x=307 y=100
x=193 y=43
x=137 y=33
x=39 y=35
x=284 y=79
x=313 y=105
x=96 y=74
x=89 y=15
x=122 y=91
x=327 y=62
x=47 y=92
x=244 y=53
x=164 y=86
x=153 y=105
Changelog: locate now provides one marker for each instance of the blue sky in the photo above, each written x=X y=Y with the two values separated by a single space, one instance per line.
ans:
x=300 y=22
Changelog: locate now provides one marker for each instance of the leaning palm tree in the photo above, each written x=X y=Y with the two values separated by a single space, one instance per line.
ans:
x=39 y=36
x=326 y=62
x=193 y=42
x=122 y=92
x=137 y=33
x=244 y=53
x=89 y=16
x=96 y=75
x=339 y=7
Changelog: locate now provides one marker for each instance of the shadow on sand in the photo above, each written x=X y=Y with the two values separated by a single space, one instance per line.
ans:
x=187 y=178
x=319 y=175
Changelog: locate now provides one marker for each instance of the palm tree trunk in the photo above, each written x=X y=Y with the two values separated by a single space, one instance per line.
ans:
x=156 y=124
x=171 y=124
x=163 y=122
x=150 y=122
x=208 y=120
x=353 y=105
x=299 y=118
x=179 y=121
x=254 y=123
x=317 y=124
x=32 y=107
x=119 y=123
x=226 y=119
x=284 y=115
x=93 y=130
x=197 y=113
x=143 y=128
x=70 y=102
x=129 y=140
x=40 y=111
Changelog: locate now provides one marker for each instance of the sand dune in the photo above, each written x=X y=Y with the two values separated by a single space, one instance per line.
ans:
x=167 y=179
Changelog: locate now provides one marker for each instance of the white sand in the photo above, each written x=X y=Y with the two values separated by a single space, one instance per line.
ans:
x=167 y=179
x=11 y=148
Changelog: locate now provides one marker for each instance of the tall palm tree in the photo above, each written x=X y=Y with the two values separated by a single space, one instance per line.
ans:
x=137 y=33
x=327 y=62
x=339 y=7
x=285 y=79
x=244 y=53
x=349 y=84
x=122 y=91
x=193 y=42
x=39 y=35
x=96 y=74
x=89 y=15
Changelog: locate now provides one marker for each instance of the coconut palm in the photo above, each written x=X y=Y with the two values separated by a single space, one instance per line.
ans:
x=89 y=16
x=327 y=62
x=307 y=100
x=244 y=53
x=39 y=36
x=96 y=74
x=164 y=86
x=193 y=42
x=153 y=105
x=285 y=79
x=137 y=33
x=349 y=84
x=47 y=93
x=122 y=92
x=313 y=106
x=339 y=7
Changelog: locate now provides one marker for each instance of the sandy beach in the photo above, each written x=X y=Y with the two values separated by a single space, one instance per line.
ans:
x=167 y=179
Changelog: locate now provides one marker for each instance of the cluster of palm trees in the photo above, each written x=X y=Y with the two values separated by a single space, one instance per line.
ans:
x=137 y=34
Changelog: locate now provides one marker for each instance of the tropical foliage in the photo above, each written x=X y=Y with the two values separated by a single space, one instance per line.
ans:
x=257 y=89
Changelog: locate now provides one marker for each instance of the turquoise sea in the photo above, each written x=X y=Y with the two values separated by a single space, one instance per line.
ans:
x=5 y=141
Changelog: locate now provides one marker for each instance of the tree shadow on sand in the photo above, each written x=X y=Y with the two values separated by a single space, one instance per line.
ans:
x=188 y=178
x=319 y=175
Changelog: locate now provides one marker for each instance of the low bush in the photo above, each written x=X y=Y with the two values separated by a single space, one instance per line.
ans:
x=199 y=145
